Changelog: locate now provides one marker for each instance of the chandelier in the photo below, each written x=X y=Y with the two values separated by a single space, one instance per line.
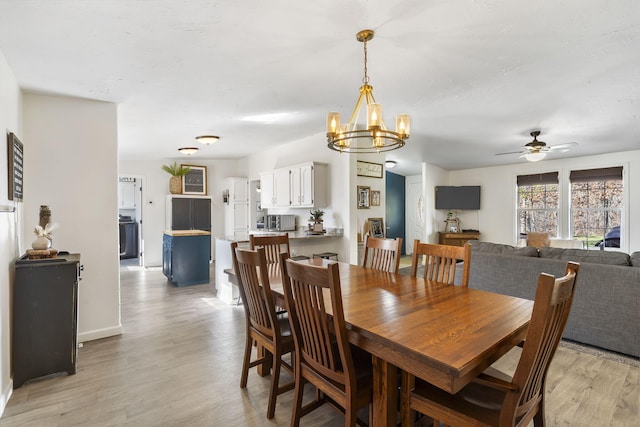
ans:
x=376 y=137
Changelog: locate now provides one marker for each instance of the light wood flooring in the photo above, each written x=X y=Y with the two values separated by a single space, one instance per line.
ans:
x=178 y=364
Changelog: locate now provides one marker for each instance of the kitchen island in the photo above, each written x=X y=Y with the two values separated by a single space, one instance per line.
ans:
x=185 y=256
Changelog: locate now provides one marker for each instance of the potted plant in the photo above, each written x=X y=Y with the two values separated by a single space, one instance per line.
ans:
x=176 y=172
x=316 y=217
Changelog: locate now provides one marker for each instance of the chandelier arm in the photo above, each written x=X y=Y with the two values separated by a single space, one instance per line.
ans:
x=356 y=112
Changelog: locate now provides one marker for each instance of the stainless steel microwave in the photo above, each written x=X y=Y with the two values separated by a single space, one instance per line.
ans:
x=280 y=222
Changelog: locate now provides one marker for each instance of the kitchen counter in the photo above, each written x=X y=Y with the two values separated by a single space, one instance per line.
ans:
x=301 y=244
x=293 y=235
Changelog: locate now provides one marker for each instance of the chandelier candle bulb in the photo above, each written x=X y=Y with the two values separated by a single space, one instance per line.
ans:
x=403 y=124
x=333 y=122
x=374 y=116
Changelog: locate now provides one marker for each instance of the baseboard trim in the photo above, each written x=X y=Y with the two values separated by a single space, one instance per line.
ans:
x=100 y=333
x=6 y=395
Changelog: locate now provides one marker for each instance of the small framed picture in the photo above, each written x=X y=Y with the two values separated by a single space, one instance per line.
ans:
x=195 y=181
x=364 y=197
x=376 y=227
x=375 y=198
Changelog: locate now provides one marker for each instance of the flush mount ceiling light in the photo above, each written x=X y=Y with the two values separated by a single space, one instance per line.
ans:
x=390 y=164
x=188 y=150
x=207 y=139
x=376 y=137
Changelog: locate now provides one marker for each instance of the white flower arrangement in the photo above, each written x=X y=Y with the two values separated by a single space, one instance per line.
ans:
x=46 y=231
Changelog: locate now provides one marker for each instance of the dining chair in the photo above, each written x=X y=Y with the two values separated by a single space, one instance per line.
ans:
x=494 y=398
x=440 y=261
x=324 y=357
x=273 y=246
x=270 y=332
x=382 y=254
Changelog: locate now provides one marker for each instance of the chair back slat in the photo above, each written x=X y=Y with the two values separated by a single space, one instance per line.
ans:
x=382 y=254
x=440 y=261
x=550 y=313
x=314 y=303
x=255 y=290
x=273 y=246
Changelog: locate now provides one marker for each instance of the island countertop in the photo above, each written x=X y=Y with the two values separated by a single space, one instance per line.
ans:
x=187 y=233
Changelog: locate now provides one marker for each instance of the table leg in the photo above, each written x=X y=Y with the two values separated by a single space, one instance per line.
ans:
x=385 y=393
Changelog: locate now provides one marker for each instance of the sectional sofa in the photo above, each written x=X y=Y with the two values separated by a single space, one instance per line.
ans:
x=606 y=306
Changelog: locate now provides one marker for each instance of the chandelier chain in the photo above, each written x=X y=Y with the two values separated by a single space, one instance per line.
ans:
x=365 y=79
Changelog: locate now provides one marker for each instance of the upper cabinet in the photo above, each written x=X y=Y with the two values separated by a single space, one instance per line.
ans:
x=127 y=195
x=300 y=186
x=187 y=213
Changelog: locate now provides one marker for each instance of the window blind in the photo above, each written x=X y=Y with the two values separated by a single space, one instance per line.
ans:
x=590 y=175
x=538 y=179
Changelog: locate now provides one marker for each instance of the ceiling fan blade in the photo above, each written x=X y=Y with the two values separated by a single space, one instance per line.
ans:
x=510 y=152
x=564 y=147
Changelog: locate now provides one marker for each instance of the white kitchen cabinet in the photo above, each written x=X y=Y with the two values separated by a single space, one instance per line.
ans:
x=299 y=186
x=236 y=209
x=126 y=195
x=308 y=184
x=274 y=188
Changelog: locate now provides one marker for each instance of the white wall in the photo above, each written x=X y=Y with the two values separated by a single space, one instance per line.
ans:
x=10 y=121
x=432 y=176
x=70 y=149
x=496 y=218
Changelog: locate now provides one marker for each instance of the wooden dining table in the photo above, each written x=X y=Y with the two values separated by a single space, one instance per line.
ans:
x=444 y=334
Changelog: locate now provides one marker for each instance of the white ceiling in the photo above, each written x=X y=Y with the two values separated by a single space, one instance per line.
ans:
x=475 y=76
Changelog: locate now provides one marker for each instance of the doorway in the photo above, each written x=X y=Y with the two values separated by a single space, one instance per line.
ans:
x=131 y=241
x=395 y=207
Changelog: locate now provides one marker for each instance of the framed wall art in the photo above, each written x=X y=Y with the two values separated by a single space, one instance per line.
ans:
x=364 y=197
x=372 y=170
x=14 y=163
x=195 y=181
x=375 y=198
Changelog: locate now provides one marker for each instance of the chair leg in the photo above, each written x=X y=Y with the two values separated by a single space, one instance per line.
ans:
x=275 y=379
x=246 y=361
x=297 y=398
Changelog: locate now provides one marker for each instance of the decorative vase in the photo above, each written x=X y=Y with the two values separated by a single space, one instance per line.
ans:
x=41 y=243
x=175 y=185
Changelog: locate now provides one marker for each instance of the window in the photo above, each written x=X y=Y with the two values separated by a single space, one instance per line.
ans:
x=596 y=206
x=538 y=203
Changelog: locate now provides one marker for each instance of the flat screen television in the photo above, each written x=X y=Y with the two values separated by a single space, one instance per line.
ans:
x=466 y=197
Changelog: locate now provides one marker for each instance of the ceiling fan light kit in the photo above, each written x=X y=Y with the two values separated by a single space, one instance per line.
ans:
x=537 y=150
x=375 y=138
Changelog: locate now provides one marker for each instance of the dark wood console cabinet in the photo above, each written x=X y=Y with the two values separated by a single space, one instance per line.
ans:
x=45 y=317
x=457 y=239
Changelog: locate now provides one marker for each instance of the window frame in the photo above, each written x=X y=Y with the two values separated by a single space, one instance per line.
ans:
x=541 y=179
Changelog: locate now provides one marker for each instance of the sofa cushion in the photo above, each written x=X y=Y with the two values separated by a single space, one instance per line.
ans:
x=583 y=255
x=497 y=248
x=635 y=259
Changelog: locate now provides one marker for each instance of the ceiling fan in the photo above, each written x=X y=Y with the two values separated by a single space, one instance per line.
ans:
x=537 y=150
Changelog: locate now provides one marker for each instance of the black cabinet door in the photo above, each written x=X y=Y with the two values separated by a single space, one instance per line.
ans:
x=202 y=214
x=181 y=217
x=191 y=214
